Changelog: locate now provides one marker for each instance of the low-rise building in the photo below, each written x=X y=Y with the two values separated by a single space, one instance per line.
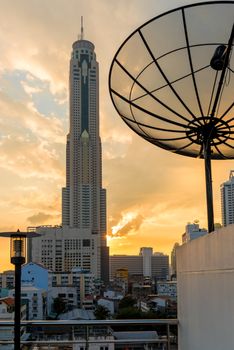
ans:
x=36 y=275
x=108 y=304
x=168 y=288
x=35 y=299
x=82 y=281
x=88 y=303
x=7 y=279
x=31 y=273
x=7 y=314
x=68 y=294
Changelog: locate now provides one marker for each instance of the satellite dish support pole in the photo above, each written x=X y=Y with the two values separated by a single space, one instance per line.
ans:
x=209 y=190
x=206 y=144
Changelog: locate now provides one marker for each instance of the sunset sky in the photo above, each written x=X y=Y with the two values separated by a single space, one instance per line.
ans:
x=152 y=194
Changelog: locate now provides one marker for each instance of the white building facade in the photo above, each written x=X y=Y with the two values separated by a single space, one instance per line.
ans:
x=7 y=314
x=60 y=248
x=227 y=200
x=168 y=288
x=205 y=281
x=36 y=299
x=193 y=231
x=147 y=253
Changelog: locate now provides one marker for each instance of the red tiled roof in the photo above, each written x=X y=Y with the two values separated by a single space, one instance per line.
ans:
x=9 y=301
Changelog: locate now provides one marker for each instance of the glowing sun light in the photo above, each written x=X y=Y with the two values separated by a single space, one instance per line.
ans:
x=123 y=221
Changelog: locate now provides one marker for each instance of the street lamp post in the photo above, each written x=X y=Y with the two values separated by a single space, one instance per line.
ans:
x=18 y=249
x=18 y=254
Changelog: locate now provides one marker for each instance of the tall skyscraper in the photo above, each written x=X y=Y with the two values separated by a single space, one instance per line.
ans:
x=81 y=240
x=83 y=198
x=227 y=200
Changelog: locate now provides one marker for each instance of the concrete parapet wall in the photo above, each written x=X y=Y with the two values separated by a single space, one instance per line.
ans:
x=205 y=270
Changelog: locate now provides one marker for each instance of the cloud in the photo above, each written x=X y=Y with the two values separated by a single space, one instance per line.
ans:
x=39 y=218
x=31 y=144
x=35 y=200
x=166 y=189
x=131 y=226
x=30 y=159
x=129 y=222
x=18 y=115
x=29 y=89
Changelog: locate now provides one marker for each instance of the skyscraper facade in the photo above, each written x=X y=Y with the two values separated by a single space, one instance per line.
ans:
x=227 y=200
x=83 y=198
x=81 y=240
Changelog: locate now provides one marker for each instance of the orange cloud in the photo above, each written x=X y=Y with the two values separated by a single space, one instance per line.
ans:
x=122 y=228
x=163 y=190
x=41 y=218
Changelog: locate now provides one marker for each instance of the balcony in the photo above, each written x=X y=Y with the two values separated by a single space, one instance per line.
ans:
x=138 y=334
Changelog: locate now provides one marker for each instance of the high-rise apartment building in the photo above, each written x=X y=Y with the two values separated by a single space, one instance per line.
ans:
x=81 y=240
x=173 y=259
x=193 y=231
x=227 y=200
x=147 y=253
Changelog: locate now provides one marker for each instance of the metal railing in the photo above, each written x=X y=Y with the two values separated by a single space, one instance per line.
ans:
x=62 y=334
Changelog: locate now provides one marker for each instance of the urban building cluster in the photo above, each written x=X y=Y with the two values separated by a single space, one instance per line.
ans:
x=70 y=274
x=81 y=289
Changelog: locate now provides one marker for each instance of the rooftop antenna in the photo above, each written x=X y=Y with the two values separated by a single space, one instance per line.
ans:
x=82 y=29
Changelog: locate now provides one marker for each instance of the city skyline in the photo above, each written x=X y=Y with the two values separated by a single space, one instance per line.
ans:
x=152 y=194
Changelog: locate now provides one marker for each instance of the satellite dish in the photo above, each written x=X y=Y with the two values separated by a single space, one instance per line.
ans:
x=172 y=82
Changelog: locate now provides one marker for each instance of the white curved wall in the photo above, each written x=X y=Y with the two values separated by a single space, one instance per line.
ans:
x=205 y=270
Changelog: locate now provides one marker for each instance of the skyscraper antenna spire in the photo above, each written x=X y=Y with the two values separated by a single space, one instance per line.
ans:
x=82 y=29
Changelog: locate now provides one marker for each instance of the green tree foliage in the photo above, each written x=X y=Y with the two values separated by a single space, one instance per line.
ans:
x=130 y=312
x=59 y=306
x=126 y=302
x=101 y=313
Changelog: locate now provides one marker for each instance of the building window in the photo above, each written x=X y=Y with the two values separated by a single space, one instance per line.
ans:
x=86 y=243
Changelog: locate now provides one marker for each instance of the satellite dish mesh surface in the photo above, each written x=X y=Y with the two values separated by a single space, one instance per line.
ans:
x=172 y=82
x=169 y=82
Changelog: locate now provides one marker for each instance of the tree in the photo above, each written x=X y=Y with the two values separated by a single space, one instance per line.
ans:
x=127 y=302
x=130 y=312
x=59 y=306
x=101 y=313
